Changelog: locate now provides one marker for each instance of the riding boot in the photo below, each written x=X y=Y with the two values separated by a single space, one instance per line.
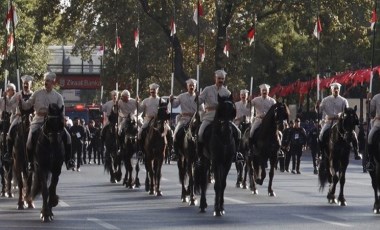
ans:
x=358 y=156
x=370 y=166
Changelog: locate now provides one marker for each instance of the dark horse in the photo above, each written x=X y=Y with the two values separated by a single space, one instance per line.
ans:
x=20 y=164
x=242 y=157
x=154 y=148
x=220 y=142
x=265 y=145
x=185 y=147
x=49 y=157
x=128 y=148
x=374 y=150
x=112 y=163
x=6 y=167
x=335 y=157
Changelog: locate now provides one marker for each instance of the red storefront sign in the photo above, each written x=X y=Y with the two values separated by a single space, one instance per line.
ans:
x=79 y=82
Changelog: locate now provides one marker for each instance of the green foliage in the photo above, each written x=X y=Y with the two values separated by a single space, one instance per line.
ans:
x=284 y=49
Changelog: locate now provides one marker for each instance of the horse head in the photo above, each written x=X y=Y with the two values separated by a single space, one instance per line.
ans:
x=226 y=110
x=130 y=126
x=54 y=122
x=348 y=120
x=281 y=114
x=162 y=115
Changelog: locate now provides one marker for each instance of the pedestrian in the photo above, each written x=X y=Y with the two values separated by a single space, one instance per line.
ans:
x=93 y=138
x=78 y=137
x=312 y=142
x=297 y=144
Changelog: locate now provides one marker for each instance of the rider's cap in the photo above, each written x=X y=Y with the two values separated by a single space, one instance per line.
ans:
x=335 y=84
x=26 y=78
x=244 y=91
x=154 y=86
x=220 y=73
x=125 y=93
x=11 y=86
x=264 y=86
x=113 y=92
x=191 y=81
x=297 y=119
x=49 y=76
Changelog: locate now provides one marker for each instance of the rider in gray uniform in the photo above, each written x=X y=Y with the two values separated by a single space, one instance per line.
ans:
x=332 y=106
x=375 y=125
x=40 y=100
x=209 y=96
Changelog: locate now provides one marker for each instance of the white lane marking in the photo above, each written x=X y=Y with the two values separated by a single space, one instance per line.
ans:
x=323 y=221
x=235 y=200
x=63 y=204
x=102 y=223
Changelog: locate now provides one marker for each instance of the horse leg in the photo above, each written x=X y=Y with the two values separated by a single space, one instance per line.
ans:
x=8 y=181
x=331 y=194
x=244 y=176
x=191 y=183
x=341 y=199
x=137 y=169
x=29 y=181
x=252 y=177
x=273 y=163
x=2 y=181
x=20 y=183
x=128 y=171
x=239 y=168
x=181 y=174
x=217 y=188
x=204 y=171
x=158 y=167
x=46 y=210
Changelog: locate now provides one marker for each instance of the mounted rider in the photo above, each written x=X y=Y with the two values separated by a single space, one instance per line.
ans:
x=188 y=106
x=149 y=108
x=127 y=107
x=8 y=101
x=332 y=106
x=243 y=109
x=375 y=125
x=261 y=105
x=25 y=95
x=40 y=101
x=108 y=108
x=209 y=96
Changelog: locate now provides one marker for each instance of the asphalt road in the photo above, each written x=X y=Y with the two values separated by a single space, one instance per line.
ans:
x=89 y=201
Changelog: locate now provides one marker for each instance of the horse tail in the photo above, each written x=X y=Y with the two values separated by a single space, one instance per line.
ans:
x=323 y=174
x=200 y=175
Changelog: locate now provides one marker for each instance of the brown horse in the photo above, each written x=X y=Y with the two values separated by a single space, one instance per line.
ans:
x=20 y=164
x=154 y=146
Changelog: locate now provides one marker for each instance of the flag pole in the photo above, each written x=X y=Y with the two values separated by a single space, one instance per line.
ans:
x=317 y=66
x=15 y=45
x=116 y=53
x=368 y=117
x=198 y=46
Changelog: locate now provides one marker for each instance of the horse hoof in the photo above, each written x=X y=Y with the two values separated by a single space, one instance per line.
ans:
x=271 y=194
x=10 y=195
x=342 y=203
x=218 y=213
x=237 y=185
x=31 y=205
x=158 y=193
x=255 y=192
x=202 y=210
x=151 y=193
x=332 y=201
x=243 y=186
x=192 y=202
